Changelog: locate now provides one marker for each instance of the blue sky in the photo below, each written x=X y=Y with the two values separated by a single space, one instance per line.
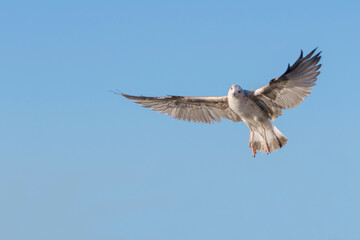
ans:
x=78 y=162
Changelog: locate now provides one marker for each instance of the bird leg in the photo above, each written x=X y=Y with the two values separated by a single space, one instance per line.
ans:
x=252 y=143
x=266 y=143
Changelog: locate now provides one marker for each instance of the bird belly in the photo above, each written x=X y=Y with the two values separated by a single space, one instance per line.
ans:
x=248 y=110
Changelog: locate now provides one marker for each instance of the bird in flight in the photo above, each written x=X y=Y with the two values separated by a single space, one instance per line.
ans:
x=255 y=108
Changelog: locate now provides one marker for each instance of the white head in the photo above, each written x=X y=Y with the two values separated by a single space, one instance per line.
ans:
x=235 y=90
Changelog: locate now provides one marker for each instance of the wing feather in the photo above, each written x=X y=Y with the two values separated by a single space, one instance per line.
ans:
x=196 y=109
x=291 y=88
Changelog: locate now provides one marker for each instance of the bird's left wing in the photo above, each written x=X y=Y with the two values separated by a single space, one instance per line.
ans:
x=291 y=88
x=196 y=109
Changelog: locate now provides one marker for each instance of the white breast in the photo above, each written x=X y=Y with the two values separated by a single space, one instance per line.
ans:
x=246 y=108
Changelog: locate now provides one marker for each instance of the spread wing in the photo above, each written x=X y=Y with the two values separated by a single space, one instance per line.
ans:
x=196 y=109
x=291 y=88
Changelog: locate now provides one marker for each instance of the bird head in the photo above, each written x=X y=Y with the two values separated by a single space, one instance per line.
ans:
x=235 y=90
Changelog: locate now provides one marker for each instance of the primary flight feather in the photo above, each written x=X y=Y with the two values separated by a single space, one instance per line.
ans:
x=254 y=108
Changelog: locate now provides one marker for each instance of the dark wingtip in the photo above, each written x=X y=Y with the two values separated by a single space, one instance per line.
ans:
x=127 y=96
x=301 y=54
x=317 y=56
x=117 y=92
x=288 y=68
x=310 y=54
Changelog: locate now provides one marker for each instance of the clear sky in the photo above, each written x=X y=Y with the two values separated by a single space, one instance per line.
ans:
x=78 y=162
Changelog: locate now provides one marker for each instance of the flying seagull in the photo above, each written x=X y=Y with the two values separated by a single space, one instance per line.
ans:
x=255 y=108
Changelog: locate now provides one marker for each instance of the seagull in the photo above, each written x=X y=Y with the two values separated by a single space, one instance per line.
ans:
x=256 y=108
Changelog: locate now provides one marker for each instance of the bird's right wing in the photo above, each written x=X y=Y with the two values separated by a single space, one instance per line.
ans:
x=291 y=88
x=196 y=109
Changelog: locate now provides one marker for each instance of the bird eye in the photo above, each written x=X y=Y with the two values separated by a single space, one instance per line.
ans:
x=239 y=91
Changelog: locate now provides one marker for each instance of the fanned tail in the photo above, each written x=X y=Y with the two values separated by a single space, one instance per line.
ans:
x=275 y=138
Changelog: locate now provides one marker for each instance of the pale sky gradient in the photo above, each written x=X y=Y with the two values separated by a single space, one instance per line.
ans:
x=78 y=162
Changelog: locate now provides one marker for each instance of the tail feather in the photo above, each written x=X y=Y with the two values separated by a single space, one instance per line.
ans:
x=280 y=137
x=274 y=137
